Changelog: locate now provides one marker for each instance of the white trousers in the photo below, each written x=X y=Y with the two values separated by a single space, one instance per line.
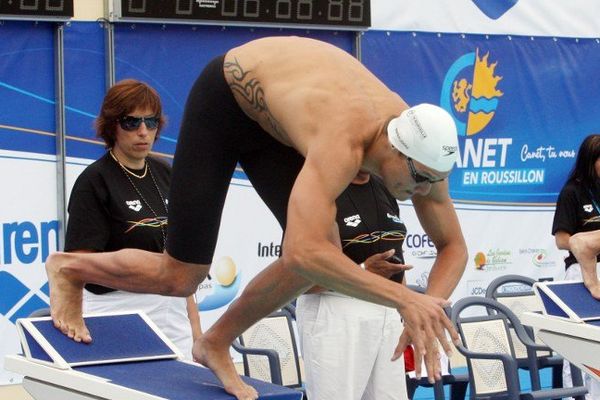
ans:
x=168 y=313
x=592 y=385
x=347 y=346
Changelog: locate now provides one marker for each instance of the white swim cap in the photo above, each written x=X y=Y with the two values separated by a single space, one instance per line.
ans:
x=427 y=134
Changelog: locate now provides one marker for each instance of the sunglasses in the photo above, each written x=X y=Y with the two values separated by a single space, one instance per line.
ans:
x=130 y=123
x=417 y=176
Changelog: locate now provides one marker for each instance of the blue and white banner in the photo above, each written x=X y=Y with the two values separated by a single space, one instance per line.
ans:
x=521 y=105
x=554 y=18
x=28 y=234
x=28 y=206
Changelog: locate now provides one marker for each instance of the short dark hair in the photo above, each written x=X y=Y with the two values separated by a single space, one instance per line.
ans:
x=121 y=99
x=584 y=170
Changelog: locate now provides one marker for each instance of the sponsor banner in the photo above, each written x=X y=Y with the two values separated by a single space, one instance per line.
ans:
x=573 y=18
x=521 y=106
x=28 y=206
x=496 y=244
x=28 y=234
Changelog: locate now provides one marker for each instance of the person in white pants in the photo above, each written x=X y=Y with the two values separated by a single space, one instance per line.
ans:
x=347 y=344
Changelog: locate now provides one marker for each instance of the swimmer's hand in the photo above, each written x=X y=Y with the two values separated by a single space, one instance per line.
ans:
x=426 y=326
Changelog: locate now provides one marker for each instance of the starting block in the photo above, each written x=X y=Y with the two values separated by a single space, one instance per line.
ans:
x=129 y=359
x=570 y=323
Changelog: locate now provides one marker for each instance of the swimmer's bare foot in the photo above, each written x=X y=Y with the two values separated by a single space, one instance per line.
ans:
x=217 y=358
x=66 y=298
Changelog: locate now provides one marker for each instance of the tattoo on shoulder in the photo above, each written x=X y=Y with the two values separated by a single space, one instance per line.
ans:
x=251 y=91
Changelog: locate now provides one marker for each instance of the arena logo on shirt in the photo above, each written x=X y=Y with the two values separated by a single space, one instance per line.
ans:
x=353 y=220
x=394 y=218
x=135 y=205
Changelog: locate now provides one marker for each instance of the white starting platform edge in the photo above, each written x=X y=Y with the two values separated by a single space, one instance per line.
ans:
x=570 y=323
x=128 y=359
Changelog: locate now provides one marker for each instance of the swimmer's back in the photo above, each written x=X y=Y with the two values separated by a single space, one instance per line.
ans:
x=311 y=86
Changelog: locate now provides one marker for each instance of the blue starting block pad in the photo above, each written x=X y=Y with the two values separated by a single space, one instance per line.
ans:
x=570 y=323
x=569 y=300
x=129 y=359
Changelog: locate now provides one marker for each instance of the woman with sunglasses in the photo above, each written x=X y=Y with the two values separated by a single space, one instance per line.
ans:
x=120 y=201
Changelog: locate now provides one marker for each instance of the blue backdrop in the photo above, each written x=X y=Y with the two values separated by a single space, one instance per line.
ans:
x=27 y=110
x=167 y=57
x=522 y=104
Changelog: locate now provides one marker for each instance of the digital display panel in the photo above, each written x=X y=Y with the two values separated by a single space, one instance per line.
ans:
x=323 y=13
x=36 y=9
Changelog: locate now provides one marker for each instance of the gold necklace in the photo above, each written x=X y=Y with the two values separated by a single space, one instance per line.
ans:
x=139 y=193
x=127 y=169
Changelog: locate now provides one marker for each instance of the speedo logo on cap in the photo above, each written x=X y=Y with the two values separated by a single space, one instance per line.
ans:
x=450 y=150
x=413 y=118
x=399 y=137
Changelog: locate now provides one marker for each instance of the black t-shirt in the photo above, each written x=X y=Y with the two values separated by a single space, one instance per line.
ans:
x=577 y=210
x=368 y=219
x=106 y=213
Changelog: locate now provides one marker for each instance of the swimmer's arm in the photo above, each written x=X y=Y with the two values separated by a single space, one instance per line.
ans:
x=309 y=249
x=309 y=244
x=379 y=264
x=439 y=220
